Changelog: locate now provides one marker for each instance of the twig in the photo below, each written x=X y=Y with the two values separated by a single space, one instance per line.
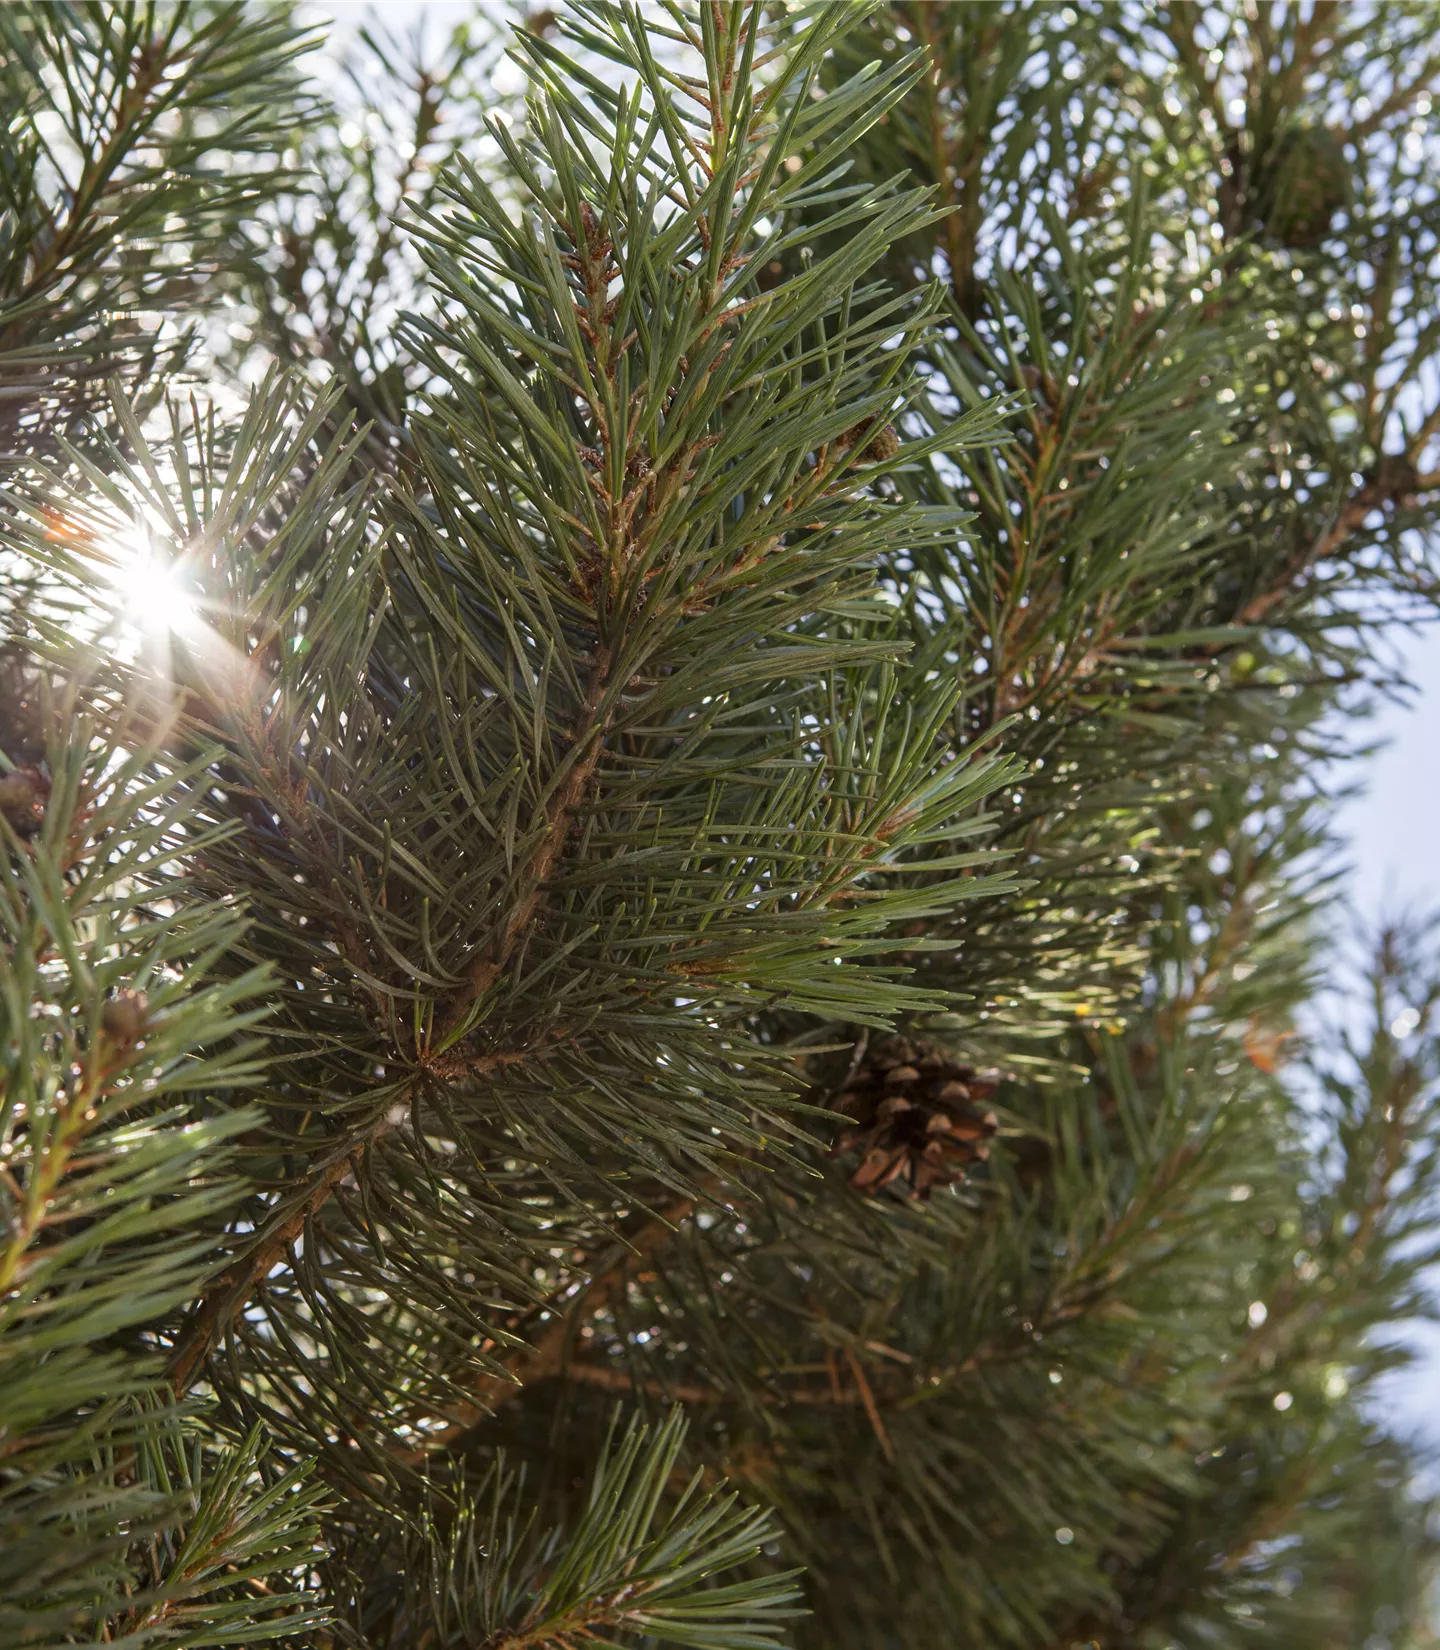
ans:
x=547 y=1355
x=590 y=730
x=219 y=1304
x=871 y=1408
x=230 y=1291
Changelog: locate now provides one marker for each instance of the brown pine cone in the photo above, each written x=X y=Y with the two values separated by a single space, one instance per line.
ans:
x=919 y=1118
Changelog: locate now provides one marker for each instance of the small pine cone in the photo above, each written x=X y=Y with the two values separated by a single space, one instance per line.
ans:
x=884 y=447
x=1396 y=479
x=125 y=1017
x=919 y=1118
x=23 y=794
x=1309 y=180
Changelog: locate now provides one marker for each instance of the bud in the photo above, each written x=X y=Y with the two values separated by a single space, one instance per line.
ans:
x=884 y=447
x=125 y=1017
x=22 y=800
x=1307 y=181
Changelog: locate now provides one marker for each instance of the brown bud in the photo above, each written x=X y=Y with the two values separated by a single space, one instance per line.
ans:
x=1396 y=479
x=596 y=242
x=884 y=444
x=125 y=1016
x=884 y=447
x=22 y=800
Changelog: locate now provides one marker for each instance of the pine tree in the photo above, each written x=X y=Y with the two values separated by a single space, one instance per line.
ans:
x=665 y=863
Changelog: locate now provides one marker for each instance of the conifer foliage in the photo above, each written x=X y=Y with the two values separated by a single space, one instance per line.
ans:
x=664 y=866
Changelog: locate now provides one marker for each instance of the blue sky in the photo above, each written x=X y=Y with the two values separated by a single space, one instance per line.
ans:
x=1393 y=827
x=1393 y=830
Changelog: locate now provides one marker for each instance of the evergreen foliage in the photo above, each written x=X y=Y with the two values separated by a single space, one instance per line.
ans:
x=664 y=851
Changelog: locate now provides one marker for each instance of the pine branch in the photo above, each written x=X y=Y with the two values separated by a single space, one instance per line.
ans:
x=551 y=1351
x=640 y=1557
x=119 y=122
x=115 y=1048
x=618 y=731
x=625 y=530
x=223 y=1299
x=587 y=749
x=1393 y=482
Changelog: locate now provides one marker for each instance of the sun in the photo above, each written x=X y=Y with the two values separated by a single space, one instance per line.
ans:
x=157 y=596
x=161 y=623
x=156 y=606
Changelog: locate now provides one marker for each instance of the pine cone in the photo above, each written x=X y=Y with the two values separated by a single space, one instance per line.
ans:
x=23 y=794
x=1308 y=181
x=884 y=446
x=918 y=1118
x=125 y=1017
x=1396 y=479
x=881 y=447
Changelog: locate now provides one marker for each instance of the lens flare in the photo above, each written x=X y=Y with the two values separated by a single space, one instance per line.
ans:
x=157 y=598
x=160 y=619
